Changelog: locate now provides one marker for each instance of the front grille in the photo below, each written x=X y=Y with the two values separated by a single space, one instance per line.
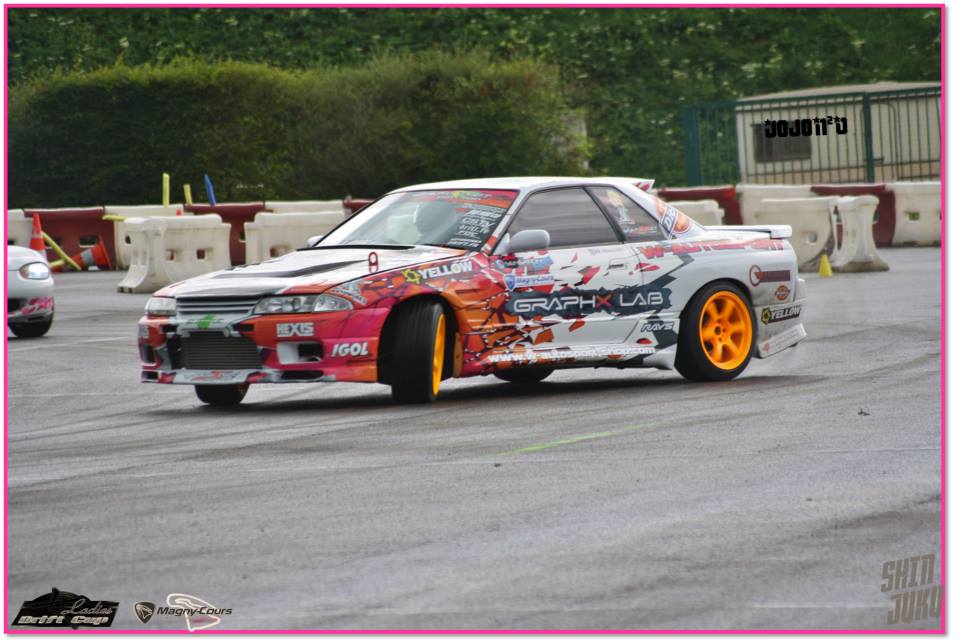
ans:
x=214 y=351
x=216 y=305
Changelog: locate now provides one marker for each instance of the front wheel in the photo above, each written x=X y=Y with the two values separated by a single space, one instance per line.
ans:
x=221 y=395
x=418 y=359
x=717 y=334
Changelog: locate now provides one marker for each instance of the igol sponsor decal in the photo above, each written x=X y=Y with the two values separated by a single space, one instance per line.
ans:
x=64 y=609
x=353 y=349
x=575 y=303
x=758 y=276
x=773 y=315
x=782 y=293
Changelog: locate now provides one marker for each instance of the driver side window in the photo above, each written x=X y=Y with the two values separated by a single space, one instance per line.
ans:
x=570 y=216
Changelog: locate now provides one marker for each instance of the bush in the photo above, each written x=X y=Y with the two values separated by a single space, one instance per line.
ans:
x=263 y=133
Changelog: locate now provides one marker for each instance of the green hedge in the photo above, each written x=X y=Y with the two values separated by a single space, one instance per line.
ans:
x=264 y=133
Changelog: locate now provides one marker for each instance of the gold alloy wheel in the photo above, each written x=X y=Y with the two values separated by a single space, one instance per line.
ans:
x=726 y=330
x=439 y=342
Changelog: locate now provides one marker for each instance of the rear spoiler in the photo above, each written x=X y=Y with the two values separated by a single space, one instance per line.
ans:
x=775 y=231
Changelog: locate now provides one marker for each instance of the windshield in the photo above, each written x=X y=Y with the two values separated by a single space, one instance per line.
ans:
x=452 y=218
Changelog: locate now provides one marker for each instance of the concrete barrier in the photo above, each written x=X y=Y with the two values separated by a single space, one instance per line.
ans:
x=725 y=195
x=122 y=241
x=857 y=251
x=812 y=222
x=288 y=207
x=19 y=228
x=706 y=212
x=751 y=196
x=272 y=234
x=169 y=249
x=918 y=213
x=886 y=217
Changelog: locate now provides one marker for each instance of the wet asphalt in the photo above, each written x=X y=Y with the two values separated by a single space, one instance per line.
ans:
x=598 y=499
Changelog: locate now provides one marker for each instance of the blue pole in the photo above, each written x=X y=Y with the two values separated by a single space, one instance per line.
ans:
x=211 y=198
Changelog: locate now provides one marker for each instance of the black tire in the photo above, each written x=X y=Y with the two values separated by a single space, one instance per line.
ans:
x=530 y=375
x=31 y=328
x=692 y=360
x=412 y=370
x=221 y=395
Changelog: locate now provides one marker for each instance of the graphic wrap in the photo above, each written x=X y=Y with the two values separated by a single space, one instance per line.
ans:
x=538 y=307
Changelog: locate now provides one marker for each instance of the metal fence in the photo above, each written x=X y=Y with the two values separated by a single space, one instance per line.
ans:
x=834 y=138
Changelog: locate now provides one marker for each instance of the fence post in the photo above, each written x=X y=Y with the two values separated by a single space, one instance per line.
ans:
x=868 y=137
x=691 y=144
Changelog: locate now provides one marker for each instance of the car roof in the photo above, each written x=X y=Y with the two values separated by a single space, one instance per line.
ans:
x=522 y=183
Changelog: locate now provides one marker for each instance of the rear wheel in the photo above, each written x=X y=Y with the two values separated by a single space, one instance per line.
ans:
x=31 y=328
x=420 y=349
x=717 y=336
x=524 y=375
x=221 y=395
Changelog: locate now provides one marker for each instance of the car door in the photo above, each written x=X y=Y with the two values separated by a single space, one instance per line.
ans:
x=646 y=237
x=567 y=295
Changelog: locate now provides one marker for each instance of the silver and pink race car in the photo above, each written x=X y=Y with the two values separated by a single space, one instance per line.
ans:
x=513 y=277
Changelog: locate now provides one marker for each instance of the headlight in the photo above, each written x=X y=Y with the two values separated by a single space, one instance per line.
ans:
x=297 y=304
x=301 y=304
x=36 y=270
x=329 y=303
x=161 y=306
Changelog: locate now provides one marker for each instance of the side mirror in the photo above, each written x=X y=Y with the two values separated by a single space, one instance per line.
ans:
x=314 y=240
x=524 y=241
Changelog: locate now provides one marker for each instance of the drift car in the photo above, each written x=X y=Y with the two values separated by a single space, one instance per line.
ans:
x=512 y=277
x=29 y=292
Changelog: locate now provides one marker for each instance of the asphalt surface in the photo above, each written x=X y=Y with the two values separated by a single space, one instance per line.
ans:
x=599 y=499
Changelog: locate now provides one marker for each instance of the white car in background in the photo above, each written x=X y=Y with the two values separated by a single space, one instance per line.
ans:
x=29 y=292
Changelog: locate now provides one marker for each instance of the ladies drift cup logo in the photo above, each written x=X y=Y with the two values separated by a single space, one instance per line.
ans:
x=64 y=609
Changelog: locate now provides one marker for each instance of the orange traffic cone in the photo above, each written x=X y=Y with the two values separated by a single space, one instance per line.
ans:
x=95 y=256
x=36 y=236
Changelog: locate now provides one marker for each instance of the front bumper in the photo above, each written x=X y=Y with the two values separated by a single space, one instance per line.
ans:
x=320 y=347
x=28 y=299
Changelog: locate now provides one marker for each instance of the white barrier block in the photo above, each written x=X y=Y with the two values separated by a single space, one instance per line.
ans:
x=918 y=213
x=169 y=249
x=121 y=239
x=751 y=195
x=857 y=252
x=287 y=207
x=706 y=212
x=19 y=228
x=272 y=234
x=812 y=222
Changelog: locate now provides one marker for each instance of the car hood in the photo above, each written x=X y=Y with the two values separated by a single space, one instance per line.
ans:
x=18 y=256
x=306 y=270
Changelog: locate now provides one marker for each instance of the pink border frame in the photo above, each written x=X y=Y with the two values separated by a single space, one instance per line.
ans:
x=508 y=5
